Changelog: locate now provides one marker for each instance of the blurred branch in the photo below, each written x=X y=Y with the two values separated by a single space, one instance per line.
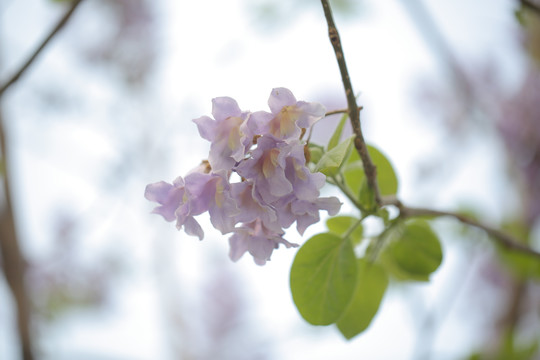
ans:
x=531 y=6
x=40 y=48
x=434 y=38
x=12 y=260
x=505 y=240
x=354 y=113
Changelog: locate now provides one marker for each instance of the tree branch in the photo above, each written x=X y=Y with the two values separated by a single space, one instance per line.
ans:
x=354 y=113
x=12 y=259
x=531 y=5
x=40 y=48
x=505 y=240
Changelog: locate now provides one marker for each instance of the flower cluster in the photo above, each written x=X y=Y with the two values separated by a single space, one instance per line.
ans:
x=275 y=188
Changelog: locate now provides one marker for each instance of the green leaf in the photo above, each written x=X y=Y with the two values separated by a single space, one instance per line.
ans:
x=332 y=160
x=522 y=265
x=386 y=177
x=415 y=254
x=371 y=284
x=323 y=278
x=342 y=224
x=353 y=172
x=367 y=197
x=384 y=215
x=336 y=136
x=354 y=175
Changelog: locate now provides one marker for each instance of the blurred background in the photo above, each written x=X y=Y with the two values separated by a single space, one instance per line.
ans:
x=450 y=92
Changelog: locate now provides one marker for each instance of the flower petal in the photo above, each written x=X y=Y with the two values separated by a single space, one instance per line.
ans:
x=280 y=97
x=224 y=107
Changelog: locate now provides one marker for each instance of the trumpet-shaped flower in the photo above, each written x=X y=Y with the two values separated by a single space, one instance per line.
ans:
x=266 y=168
x=305 y=213
x=227 y=132
x=256 y=239
x=305 y=184
x=211 y=192
x=174 y=205
x=287 y=117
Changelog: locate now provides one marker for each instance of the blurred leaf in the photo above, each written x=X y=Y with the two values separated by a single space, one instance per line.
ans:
x=371 y=284
x=518 y=13
x=354 y=174
x=384 y=215
x=323 y=278
x=336 y=136
x=386 y=177
x=520 y=264
x=332 y=160
x=415 y=254
x=524 y=351
x=367 y=197
x=271 y=14
x=341 y=224
x=508 y=349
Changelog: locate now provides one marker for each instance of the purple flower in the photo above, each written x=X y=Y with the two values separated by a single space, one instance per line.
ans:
x=256 y=239
x=252 y=207
x=276 y=187
x=287 y=116
x=305 y=213
x=168 y=196
x=305 y=184
x=175 y=205
x=228 y=133
x=210 y=192
x=266 y=168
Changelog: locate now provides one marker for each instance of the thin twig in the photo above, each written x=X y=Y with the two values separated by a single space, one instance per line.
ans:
x=340 y=111
x=13 y=261
x=345 y=190
x=40 y=48
x=531 y=6
x=505 y=240
x=354 y=113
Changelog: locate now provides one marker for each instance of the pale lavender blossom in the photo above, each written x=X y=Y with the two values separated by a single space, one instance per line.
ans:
x=256 y=239
x=288 y=117
x=276 y=187
x=252 y=207
x=305 y=184
x=174 y=205
x=211 y=192
x=305 y=213
x=227 y=132
x=169 y=196
x=266 y=168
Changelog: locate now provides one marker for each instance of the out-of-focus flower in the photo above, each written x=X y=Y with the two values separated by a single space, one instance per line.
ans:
x=519 y=127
